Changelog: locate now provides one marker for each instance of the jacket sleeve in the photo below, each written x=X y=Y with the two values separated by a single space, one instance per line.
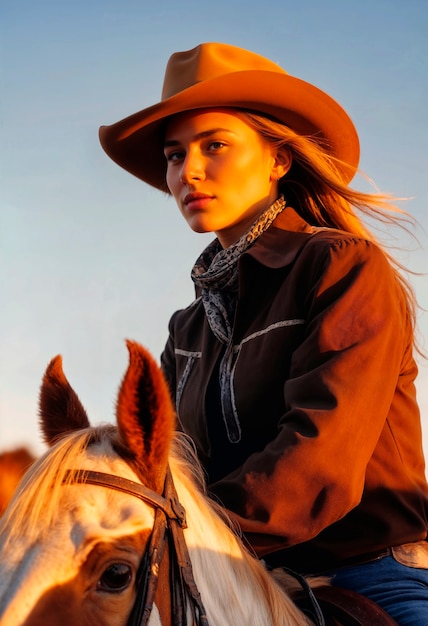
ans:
x=341 y=386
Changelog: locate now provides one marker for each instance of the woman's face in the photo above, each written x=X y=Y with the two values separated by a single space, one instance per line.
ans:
x=221 y=172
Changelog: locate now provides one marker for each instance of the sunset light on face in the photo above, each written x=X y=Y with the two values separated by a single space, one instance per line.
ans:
x=209 y=154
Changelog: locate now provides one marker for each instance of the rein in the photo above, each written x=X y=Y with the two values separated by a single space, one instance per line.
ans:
x=170 y=521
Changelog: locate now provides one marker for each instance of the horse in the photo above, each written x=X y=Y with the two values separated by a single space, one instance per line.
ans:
x=113 y=526
x=13 y=465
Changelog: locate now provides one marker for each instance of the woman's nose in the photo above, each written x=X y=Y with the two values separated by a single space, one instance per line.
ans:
x=192 y=169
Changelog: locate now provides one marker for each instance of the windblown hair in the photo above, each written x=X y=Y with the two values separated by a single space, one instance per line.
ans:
x=315 y=187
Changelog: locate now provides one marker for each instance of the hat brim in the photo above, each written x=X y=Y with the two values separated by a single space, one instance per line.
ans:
x=136 y=142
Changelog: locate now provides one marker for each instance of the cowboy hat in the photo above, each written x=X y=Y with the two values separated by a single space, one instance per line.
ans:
x=220 y=75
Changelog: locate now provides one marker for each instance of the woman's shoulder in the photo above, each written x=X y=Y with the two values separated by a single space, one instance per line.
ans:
x=291 y=237
x=334 y=240
x=337 y=246
x=335 y=256
x=291 y=224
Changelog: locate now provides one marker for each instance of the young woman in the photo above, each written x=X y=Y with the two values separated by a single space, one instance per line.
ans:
x=293 y=369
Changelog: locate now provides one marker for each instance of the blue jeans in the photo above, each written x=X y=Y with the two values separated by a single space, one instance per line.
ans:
x=400 y=590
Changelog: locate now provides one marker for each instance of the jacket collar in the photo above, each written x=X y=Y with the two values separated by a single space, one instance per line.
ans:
x=281 y=243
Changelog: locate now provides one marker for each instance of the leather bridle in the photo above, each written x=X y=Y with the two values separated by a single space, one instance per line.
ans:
x=170 y=521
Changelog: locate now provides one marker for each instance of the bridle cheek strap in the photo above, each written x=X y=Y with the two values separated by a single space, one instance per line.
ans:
x=184 y=590
x=184 y=583
x=148 y=573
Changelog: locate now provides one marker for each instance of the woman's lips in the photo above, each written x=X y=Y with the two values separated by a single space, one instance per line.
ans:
x=197 y=200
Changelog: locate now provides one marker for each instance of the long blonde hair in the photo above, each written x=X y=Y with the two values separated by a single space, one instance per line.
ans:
x=315 y=186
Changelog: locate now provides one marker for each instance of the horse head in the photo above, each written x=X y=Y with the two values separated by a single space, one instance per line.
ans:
x=67 y=545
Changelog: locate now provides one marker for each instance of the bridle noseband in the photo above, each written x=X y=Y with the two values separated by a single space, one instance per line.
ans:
x=170 y=521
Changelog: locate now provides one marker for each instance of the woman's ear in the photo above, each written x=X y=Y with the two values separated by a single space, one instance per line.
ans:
x=282 y=164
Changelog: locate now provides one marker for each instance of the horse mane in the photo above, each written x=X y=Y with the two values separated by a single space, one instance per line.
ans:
x=230 y=561
x=36 y=501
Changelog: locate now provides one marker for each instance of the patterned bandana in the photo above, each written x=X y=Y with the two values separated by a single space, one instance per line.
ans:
x=216 y=272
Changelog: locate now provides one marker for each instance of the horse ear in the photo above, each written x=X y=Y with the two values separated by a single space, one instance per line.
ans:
x=145 y=416
x=60 y=409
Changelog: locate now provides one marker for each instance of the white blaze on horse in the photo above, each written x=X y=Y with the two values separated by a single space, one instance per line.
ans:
x=96 y=535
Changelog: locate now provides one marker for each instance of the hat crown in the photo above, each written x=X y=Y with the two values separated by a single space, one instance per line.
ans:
x=207 y=61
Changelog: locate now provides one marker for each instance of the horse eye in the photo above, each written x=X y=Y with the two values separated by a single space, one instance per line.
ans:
x=115 y=578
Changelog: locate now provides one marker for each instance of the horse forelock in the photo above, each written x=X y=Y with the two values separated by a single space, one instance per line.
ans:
x=36 y=501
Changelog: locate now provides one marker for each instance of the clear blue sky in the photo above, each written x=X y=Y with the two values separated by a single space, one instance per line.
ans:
x=89 y=255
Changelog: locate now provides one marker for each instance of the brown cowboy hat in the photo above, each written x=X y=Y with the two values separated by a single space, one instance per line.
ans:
x=220 y=75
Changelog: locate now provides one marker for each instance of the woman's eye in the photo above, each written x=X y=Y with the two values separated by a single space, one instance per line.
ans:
x=174 y=156
x=115 y=578
x=216 y=145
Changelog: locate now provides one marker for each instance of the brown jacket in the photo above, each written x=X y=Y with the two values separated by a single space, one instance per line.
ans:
x=328 y=462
